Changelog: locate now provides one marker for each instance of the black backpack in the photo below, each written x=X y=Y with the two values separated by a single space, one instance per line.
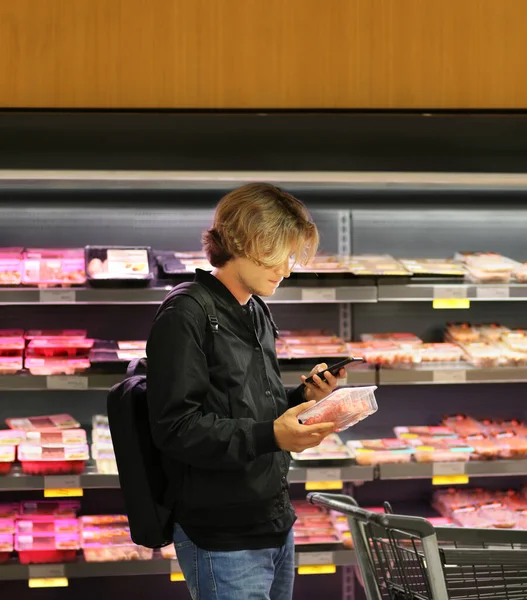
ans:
x=143 y=481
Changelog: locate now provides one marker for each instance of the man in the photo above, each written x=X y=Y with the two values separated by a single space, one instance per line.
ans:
x=221 y=416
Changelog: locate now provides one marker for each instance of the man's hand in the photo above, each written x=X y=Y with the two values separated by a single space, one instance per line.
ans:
x=292 y=436
x=320 y=389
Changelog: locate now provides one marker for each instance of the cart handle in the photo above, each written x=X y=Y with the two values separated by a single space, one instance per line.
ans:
x=348 y=506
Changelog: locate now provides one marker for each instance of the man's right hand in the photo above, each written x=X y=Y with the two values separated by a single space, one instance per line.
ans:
x=292 y=436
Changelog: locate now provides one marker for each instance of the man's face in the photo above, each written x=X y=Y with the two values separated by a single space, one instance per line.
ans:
x=259 y=280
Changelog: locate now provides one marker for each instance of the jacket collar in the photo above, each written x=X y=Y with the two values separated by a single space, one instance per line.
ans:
x=216 y=287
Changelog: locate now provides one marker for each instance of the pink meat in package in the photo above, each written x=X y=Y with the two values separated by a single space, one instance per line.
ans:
x=53 y=267
x=345 y=407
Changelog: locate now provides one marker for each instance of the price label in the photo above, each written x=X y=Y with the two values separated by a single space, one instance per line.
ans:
x=49 y=582
x=323 y=475
x=319 y=294
x=450 y=480
x=493 y=292
x=66 y=382
x=175 y=571
x=58 y=296
x=317 y=570
x=451 y=292
x=316 y=558
x=46 y=576
x=446 y=469
x=316 y=486
x=451 y=304
x=450 y=376
x=62 y=486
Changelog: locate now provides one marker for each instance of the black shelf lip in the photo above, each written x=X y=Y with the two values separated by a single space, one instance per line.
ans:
x=491 y=468
x=357 y=291
x=156 y=566
x=454 y=374
x=64 y=180
x=426 y=290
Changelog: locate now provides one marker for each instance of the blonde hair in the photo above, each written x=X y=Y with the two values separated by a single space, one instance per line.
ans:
x=260 y=222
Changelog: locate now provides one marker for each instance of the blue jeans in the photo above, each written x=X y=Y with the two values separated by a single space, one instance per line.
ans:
x=236 y=575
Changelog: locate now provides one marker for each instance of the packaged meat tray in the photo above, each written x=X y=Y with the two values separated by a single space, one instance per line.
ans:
x=310 y=340
x=102 y=552
x=461 y=333
x=481 y=354
x=53 y=460
x=365 y=456
x=46 y=525
x=10 y=266
x=168 y=552
x=7 y=525
x=520 y=273
x=344 y=407
x=433 y=267
x=9 y=510
x=44 y=423
x=6 y=546
x=433 y=454
x=12 y=346
x=513 y=448
x=68 y=437
x=11 y=364
x=371 y=264
x=56 y=366
x=51 y=347
x=471 y=518
x=108 y=535
x=47 y=548
x=422 y=432
x=510 y=357
x=485 y=449
x=61 y=509
x=318 y=351
x=516 y=340
x=53 y=267
x=96 y=520
x=62 y=334
x=107 y=265
x=440 y=353
x=488 y=266
x=11 y=437
x=491 y=332
x=331 y=448
x=463 y=425
x=408 y=339
x=380 y=353
x=7 y=458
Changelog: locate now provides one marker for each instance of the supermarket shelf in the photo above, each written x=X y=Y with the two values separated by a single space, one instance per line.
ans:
x=300 y=474
x=155 y=295
x=355 y=376
x=452 y=374
x=496 y=468
x=427 y=292
x=156 y=566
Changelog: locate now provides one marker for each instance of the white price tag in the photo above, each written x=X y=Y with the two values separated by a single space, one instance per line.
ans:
x=447 y=469
x=501 y=292
x=450 y=376
x=66 y=382
x=316 y=558
x=62 y=482
x=319 y=294
x=323 y=475
x=58 y=296
x=450 y=292
x=47 y=571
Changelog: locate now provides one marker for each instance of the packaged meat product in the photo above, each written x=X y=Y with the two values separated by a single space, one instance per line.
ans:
x=316 y=351
x=102 y=449
x=461 y=333
x=56 y=366
x=499 y=517
x=59 y=437
x=95 y=520
x=423 y=432
x=6 y=546
x=381 y=353
x=50 y=334
x=47 y=548
x=102 y=552
x=367 y=457
x=52 y=460
x=117 y=533
x=11 y=364
x=520 y=273
x=119 y=264
x=44 y=423
x=433 y=266
x=471 y=518
x=488 y=266
x=11 y=437
x=99 y=421
x=331 y=264
x=491 y=332
x=331 y=448
x=372 y=264
x=440 y=353
x=344 y=407
x=46 y=525
x=510 y=357
x=302 y=333
x=63 y=509
x=513 y=448
x=463 y=425
x=482 y=354
x=168 y=552
x=516 y=340
x=433 y=454
x=7 y=458
x=408 y=339
x=7 y=525
x=9 y=510
x=485 y=449
x=12 y=346
x=53 y=267
x=311 y=340
x=10 y=266
x=50 y=347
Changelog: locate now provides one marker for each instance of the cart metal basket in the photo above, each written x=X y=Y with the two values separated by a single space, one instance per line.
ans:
x=406 y=558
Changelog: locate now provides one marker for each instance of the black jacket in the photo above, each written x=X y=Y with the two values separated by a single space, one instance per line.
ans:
x=213 y=419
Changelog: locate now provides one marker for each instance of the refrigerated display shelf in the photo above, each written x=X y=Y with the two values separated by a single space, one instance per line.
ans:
x=155 y=295
x=157 y=566
x=451 y=374
x=416 y=291
x=491 y=468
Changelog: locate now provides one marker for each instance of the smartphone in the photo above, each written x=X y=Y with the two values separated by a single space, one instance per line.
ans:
x=334 y=369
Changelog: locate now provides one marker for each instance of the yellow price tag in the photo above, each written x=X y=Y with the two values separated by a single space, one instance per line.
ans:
x=451 y=303
x=63 y=493
x=450 y=480
x=48 y=582
x=315 y=486
x=317 y=570
x=408 y=436
x=177 y=577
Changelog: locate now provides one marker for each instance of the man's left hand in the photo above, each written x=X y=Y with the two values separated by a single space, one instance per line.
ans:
x=320 y=389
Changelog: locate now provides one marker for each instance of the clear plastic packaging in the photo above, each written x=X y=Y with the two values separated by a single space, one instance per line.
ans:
x=43 y=423
x=482 y=354
x=63 y=509
x=51 y=347
x=169 y=552
x=440 y=353
x=119 y=264
x=320 y=350
x=48 y=525
x=433 y=454
x=97 y=520
x=11 y=364
x=485 y=449
x=344 y=407
x=70 y=334
x=408 y=339
x=381 y=353
x=53 y=267
x=463 y=425
x=513 y=448
x=67 y=437
x=101 y=552
x=491 y=332
x=461 y=333
x=11 y=437
x=520 y=274
x=331 y=448
x=56 y=366
x=6 y=546
x=10 y=266
x=7 y=525
x=107 y=466
x=47 y=548
x=366 y=457
x=421 y=432
x=376 y=264
x=516 y=340
x=7 y=458
x=52 y=460
x=433 y=266
x=12 y=346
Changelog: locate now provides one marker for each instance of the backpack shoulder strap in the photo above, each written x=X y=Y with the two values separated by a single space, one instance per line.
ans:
x=267 y=312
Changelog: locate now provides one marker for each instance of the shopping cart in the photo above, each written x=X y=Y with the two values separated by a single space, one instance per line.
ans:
x=406 y=558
